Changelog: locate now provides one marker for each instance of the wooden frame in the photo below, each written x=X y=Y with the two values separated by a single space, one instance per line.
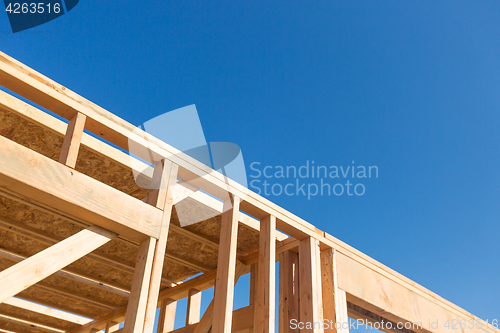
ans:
x=326 y=279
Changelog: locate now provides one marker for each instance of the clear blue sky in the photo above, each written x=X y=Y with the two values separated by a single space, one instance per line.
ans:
x=413 y=88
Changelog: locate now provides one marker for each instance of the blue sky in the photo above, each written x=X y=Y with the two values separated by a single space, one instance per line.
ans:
x=412 y=88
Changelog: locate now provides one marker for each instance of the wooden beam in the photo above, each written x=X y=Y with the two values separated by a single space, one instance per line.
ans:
x=72 y=139
x=224 y=287
x=45 y=238
x=265 y=298
x=136 y=308
x=165 y=183
x=41 y=179
x=166 y=320
x=46 y=311
x=341 y=311
x=329 y=288
x=311 y=304
x=36 y=268
x=253 y=282
x=67 y=273
x=288 y=291
x=193 y=307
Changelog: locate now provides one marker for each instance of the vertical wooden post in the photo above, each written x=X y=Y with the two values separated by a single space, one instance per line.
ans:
x=224 y=284
x=161 y=197
x=265 y=298
x=193 y=307
x=311 y=303
x=328 y=284
x=334 y=299
x=167 y=316
x=72 y=139
x=136 y=309
x=253 y=282
x=288 y=291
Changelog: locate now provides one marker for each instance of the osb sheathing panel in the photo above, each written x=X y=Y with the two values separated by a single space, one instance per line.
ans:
x=61 y=284
x=14 y=327
x=194 y=251
x=37 y=295
x=35 y=317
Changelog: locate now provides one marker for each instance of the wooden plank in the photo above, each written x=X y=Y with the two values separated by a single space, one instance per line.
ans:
x=72 y=140
x=341 y=311
x=166 y=320
x=224 y=287
x=46 y=311
x=253 y=282
x=72 y=275
x=161 y=192
x=382 y=296
x=265 y=298
x=36 y=268
x=193 y=307
x=136 y=308
x=328 y=288
x=45 y=238
x=25 y=172
x=311 y=303
x=288 y=291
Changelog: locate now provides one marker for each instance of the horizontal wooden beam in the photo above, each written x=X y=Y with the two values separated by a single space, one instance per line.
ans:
x=67 y=273
x=46 y=311
x=43 y=237
x=41 y=179
x=49 y=261
x=378 y=294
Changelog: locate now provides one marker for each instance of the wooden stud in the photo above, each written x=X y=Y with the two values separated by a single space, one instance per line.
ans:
x=341 y=311
x=136 y=309
x=311 y=304
x=166 y=320
x=166 y=183
x=288 y=291
x=264 y=316
x=34 y=269
x=253 y=282
x=224 y=287
x=329 y=288
x=193 y=307
x=72 y=139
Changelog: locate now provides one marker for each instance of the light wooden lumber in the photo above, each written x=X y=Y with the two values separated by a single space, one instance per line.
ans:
x=288 y=291
x=265 y=296
x=39 y=178
x=224 y=287
x=166 y=320
x=136 y=308
x=161 y=197
x=311 y=304
x=72 y=140
x=49 y=261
